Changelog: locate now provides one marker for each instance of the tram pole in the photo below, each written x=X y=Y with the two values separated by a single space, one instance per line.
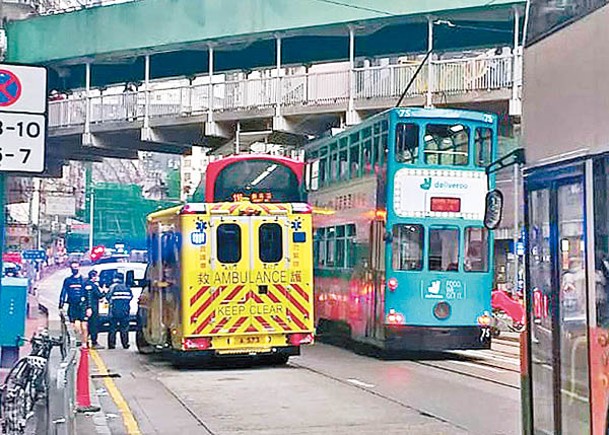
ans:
x=516 y=235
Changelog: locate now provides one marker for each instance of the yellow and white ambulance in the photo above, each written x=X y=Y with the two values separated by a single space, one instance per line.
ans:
x=231 y=278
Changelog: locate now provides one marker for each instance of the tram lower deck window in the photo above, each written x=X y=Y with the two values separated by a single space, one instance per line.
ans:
x=444 y=249
x=229 y=243
x=476 y=250
x=407 y=247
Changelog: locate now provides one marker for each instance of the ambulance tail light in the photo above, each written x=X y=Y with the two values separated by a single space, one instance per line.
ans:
x=392 y=284
x=196 y=343
x=302 y=208
x=395 y=318
x=300 y=339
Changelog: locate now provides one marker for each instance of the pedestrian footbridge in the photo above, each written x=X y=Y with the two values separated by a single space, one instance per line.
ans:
x=163 y=75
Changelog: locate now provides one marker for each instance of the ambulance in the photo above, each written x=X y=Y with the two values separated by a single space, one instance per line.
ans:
x=226 y=279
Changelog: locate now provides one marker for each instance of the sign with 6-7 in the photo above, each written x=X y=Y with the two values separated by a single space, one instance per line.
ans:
x=23 y=122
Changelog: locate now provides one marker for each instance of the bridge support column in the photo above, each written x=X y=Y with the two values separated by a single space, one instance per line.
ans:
x=87 y=138
x=515 y=108
x=212 y=128
x=352 y=117
x=147 y=134
x=279 y=122
x=430 y=69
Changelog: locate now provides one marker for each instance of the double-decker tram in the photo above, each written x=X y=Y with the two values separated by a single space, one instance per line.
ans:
x=232 y=275
x=402 y=259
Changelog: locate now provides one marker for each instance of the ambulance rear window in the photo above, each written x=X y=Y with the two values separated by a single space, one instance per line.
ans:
x=229 y=243
x=270 y=243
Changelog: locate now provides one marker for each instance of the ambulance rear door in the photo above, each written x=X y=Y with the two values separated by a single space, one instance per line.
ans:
x=280 y=302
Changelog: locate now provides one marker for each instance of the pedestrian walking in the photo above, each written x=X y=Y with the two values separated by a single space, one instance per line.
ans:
x=94 y=295
x=73 y=293
x=119 y=298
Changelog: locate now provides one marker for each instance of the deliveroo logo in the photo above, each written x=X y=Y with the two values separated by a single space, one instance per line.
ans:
x=426 y=183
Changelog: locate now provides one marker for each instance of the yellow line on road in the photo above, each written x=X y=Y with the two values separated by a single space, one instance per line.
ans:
x=121 y=403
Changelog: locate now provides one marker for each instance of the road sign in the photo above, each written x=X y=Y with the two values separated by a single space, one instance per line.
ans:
x=34 y=254
x=60 y=205
x=23 y=94
x=10 y=88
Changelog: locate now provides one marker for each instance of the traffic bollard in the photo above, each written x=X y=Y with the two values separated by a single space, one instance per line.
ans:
x=83 y=397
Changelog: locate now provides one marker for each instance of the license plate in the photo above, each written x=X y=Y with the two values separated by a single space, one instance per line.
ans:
x=250 y=340
x=246 y=341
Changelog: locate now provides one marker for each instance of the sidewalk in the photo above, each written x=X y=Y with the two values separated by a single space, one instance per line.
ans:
x=48 y=290
x=32 y=324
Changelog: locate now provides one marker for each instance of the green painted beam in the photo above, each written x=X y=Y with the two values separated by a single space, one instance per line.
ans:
x=128 y=29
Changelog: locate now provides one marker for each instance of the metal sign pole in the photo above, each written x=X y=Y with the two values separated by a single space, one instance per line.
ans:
x=91 y=217
x=516 y=235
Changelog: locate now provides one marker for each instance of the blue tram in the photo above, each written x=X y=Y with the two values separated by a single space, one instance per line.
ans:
x=402 y=259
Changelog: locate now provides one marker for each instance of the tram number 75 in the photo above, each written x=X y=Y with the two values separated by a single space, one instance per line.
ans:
x=485 y=334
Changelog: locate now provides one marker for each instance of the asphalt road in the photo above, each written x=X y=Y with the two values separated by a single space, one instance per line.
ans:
x=326 y=390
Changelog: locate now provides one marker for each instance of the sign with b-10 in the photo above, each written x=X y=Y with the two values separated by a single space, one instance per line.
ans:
x=23 y=94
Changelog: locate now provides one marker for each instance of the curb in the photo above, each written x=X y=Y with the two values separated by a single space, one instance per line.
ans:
x=99 y=418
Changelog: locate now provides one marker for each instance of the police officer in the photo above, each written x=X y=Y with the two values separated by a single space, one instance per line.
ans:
x=73 y=293
x=94 y=294
x=119 y=297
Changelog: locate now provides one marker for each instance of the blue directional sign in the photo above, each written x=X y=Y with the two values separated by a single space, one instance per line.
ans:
x=34 y=254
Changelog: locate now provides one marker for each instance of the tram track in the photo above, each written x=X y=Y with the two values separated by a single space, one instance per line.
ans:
x=368 y=389
x=469 y=374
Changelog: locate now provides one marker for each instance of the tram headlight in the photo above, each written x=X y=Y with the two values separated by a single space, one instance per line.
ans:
x=392 y=284
x=394 y=318
x=442 y=310
x=484 y=320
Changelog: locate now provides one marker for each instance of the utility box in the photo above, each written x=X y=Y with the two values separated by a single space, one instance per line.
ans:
x=13 y=308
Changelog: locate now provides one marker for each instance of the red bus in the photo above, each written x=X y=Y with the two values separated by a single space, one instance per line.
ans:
x=257 y=177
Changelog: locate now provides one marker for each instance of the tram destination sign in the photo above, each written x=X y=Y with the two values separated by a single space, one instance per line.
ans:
x=23 y=118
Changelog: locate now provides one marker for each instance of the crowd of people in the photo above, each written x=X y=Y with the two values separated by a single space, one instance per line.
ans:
x=83 y=296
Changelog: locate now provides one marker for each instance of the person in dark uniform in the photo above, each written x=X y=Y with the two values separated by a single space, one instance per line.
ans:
x=94 y=294
x=73 y=293
x=119 y=297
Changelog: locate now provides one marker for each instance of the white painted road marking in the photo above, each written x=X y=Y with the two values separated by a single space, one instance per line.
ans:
x=360 y=383
x=479 y=366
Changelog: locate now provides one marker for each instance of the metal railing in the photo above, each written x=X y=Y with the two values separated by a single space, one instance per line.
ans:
x=65 y=424
x=449 y=77
x=51 y=7
x=26 y=384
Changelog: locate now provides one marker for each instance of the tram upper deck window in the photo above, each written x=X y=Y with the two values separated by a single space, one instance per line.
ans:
x=444 y=249
x=446 y=144
x=483 y=147
x=406 y=143
x=229 y=243
x=476 y=250
x=248 y=176
x=407 y=247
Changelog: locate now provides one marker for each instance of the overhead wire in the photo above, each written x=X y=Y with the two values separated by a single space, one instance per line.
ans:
x=362 y=8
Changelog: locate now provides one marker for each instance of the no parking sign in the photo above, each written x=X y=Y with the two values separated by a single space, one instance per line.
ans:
x=23 y=97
